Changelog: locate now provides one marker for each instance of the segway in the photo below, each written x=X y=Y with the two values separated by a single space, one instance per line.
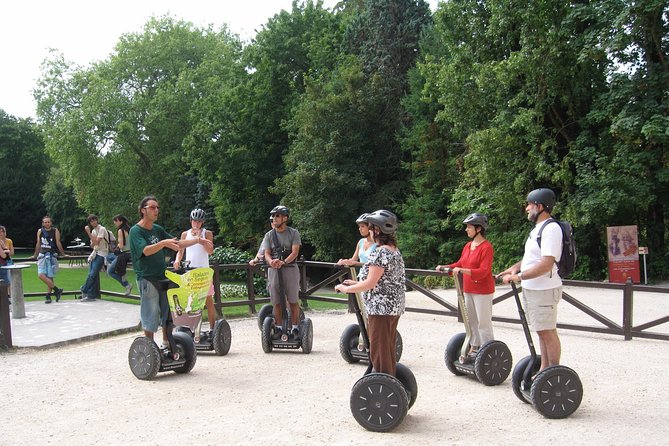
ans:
x=556 y=391
x=352 y=346
x=146 y=359
x=379 y=402
x=270 y=336
x=492 y=362
x=187 y=306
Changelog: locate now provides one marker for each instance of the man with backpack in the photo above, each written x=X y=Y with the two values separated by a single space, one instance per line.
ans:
x=538 y=274
x=100 y=237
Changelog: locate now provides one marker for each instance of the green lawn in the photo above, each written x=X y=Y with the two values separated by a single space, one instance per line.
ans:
x=72 y=278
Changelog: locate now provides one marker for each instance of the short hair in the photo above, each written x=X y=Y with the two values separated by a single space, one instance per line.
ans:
x=2 y=228
x=142 y=204
x=91 y=217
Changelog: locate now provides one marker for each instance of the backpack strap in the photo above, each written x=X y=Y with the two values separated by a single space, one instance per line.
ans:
x=550 y=220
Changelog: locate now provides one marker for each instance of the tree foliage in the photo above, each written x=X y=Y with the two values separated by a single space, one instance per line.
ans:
x=25 y=172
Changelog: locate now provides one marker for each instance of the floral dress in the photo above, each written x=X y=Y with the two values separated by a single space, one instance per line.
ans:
x=387 y=297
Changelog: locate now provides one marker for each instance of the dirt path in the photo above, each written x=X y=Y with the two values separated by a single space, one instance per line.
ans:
x=85 y=394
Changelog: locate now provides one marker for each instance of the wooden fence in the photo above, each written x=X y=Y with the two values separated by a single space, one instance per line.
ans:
x=333 y=274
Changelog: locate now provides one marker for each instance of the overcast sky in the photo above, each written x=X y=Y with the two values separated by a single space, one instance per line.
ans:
x=86 y=31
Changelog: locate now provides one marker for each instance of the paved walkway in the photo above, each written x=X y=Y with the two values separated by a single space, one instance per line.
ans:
x=63 y=322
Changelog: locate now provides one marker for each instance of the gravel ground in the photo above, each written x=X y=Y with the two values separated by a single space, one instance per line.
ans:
x=86 y=394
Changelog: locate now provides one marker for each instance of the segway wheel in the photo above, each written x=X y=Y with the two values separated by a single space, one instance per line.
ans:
x=307 y=335
x=452 y=353
x=222 y=337
x=379 y=402
x=265 y=310
x=408 y=380
x=183 y=329
x=186 y=348
x=517 y=376
x=493 y=363
x=348 y=343
x=556 y=392
x=399 y=347
x=266 y=335
x=144 y=358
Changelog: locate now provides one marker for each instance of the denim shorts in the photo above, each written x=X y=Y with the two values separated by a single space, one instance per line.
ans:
x=541 y=308
x=47 y=264
x=153 y=309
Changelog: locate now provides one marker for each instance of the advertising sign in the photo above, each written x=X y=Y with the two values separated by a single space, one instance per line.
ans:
x=623 y=248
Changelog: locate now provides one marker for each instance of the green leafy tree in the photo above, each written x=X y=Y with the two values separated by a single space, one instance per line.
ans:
x=345 y=158
x=238 y=136
x=117 y=127
x=25 y=172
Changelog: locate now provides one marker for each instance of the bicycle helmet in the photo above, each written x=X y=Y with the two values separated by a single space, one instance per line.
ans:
x=385 y=220
x=543 y=196
x=362 y=218
x=197 y=214
x=477 y=219
x=281 y=210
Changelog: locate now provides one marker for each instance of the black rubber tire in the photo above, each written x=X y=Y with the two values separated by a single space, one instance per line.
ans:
x=183 y=329
x=186 y=348
x=348 y=342
x=493 y=363
x=517 y=376
x=265 y=310
x=408 y=380
x=144 y=358
x=399 y=346
x=307 y=330
x=556 y=392
x=379 y=402
x=452 y=353
x=222 y=337
x=266 y=335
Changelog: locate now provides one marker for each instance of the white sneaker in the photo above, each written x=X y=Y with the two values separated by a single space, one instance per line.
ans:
x=128 y=289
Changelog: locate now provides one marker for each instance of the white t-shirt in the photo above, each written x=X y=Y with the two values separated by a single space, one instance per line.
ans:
x=551 y=245
x=101 y=232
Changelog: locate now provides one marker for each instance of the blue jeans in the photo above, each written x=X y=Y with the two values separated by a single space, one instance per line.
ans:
x=153 y=307
x=90 y=287
x=112 y=267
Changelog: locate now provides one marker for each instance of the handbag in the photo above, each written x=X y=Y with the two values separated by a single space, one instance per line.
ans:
x=113 y=243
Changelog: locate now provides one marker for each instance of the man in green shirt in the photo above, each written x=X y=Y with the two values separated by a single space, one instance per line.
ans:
x=147 y=241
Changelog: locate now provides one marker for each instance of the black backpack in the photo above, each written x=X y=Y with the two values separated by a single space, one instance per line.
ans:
x=567 y=261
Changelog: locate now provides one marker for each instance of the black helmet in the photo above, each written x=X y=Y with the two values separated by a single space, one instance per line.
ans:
x=281 y=210
x=543 y=196
x=385 y=220
x=477 y=219
x=362 y=218
x=197 y=214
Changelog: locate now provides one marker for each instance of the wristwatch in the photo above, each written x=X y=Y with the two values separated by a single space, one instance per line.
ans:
x=520 y=275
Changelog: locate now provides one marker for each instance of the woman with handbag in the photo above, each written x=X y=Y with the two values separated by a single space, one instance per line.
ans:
x=120 y=253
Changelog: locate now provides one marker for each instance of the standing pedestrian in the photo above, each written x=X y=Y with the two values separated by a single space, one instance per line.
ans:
x=100 y=237
x=47 y=248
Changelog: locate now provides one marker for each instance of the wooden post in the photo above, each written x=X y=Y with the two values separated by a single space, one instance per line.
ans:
x=5 y=323
x=628 y=302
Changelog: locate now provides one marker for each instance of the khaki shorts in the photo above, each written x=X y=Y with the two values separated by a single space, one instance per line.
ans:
x=541 y=308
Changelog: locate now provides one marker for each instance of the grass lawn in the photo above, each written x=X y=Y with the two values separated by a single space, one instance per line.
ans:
x=72 y=278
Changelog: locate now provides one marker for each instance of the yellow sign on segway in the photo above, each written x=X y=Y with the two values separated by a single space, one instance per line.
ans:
x=191 y=295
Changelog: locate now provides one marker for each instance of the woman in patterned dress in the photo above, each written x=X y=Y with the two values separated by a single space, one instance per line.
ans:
x=382 y=282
